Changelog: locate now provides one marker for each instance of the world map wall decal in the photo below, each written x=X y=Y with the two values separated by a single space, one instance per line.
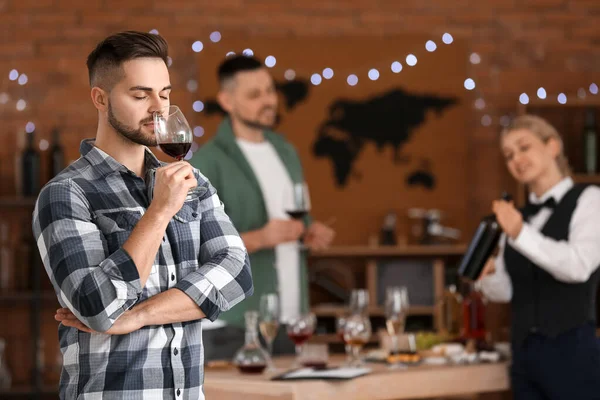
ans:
x=388 y=119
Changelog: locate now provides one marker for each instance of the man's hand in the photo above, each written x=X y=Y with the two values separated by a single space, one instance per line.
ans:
x=171 y=187
x=488 y=269
x=509 y=218
x=278 y=231
x=318 y=236
x=129 y=322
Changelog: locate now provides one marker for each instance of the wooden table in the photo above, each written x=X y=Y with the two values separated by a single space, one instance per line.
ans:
x=382 y=384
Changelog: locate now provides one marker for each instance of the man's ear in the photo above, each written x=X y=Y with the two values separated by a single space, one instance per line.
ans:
x=99 y=98
x=224 y=100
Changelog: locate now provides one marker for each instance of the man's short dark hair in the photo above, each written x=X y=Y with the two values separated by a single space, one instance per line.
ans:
x=106 y=60
x=235 y=64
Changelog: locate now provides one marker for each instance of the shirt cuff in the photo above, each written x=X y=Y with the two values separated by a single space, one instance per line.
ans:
x=202 y=292
x=123 y=274
x=525 y=241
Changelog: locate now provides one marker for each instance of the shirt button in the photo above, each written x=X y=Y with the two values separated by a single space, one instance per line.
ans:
x=194 y=215
x=164 y=238
x=172 y=276
x=178 y=392
x=175 y=351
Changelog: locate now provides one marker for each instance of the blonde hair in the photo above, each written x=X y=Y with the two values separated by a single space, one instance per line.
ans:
x=543 y=130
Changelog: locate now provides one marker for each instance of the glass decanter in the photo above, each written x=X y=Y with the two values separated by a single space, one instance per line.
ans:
x=251 y=358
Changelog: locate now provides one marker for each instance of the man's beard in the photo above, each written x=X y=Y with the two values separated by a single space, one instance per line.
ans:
x=130 y=134
x=256 y=124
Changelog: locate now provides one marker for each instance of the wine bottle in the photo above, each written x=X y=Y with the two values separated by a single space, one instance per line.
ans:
x=482 y=245
x=589 y=142
x=30 y=168
x=57 y=154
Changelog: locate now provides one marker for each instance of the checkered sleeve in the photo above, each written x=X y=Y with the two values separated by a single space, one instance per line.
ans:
x=224 y=277
x=95 y=286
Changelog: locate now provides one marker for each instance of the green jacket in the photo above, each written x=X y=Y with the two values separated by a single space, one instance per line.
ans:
x=227 y=169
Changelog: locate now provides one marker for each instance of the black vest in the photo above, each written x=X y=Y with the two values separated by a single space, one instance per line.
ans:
x=541 y=303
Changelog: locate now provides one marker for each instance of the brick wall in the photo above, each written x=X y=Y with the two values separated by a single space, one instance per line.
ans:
x=522 y=44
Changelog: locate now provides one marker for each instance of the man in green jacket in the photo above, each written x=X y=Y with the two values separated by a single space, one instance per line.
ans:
x=253 y=169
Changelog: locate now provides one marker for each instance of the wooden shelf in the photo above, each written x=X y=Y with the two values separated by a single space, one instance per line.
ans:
x=584 y=178
x=391 y=251
x=334 y=310
x=17 y=201
x=28 y=391
x=26 y=296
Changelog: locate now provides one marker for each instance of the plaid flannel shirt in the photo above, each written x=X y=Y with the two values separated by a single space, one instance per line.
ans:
x=80 y=222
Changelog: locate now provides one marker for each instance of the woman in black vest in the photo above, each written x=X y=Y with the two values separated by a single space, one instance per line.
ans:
x=547 y=268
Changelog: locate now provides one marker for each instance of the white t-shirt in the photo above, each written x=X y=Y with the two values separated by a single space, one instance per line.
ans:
x=275 y=182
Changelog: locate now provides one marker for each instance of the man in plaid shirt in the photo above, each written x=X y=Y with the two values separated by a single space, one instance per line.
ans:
x=135 y=264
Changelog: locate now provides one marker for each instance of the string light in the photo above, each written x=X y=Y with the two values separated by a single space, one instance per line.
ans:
x=469 y=84
x=593 y=88
x=480 y=104
x=411 y=60
x=21 y=104
x=581 y=93
x=315 y=79
x=447 y=38
x=198 y=131
x=290 y=74
x=230 y=53
x=270 y=61
x=430 y=46
x=396 y=67
x=192 y=85
x=197 y=46
x=44 y=145
x=198 y=106
x=248 y=52
x=523 y=98
x=562 y=98
x=13 y=75
x=486 y=120
x=154 y=31
x=22 y=79
x=475 y=58
x=327 y=73
x=373 y=74
x=352 y=80
x=541 y=93
x=215 y=37
x=29 y=127
x=4 y=97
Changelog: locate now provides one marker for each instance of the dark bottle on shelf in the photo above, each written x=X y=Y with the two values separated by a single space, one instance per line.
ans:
x=7 y=279
x=57 y=154
x=590 y=155
x=482 y=245
x=30 y=168
x=387 y=236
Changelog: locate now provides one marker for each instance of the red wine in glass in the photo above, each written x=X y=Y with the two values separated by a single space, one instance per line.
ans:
x=252 y=369
x=299 y=338
x=297 y=214
x=175 y=150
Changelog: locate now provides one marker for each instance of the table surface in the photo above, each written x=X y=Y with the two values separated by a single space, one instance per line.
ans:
x=422 y=381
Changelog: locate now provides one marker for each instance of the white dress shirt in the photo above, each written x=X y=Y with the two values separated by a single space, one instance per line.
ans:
x=571 y=261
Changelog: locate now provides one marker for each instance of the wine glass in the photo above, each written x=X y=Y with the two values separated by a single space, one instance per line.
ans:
x=297 y=202
x=359 y=301
x=300 y=329
x=269 y=322
x=174 y=135
x=396 y=308
x=340 y=325
x=357 y=332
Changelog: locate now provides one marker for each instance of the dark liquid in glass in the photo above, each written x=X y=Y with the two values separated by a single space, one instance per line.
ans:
x=252 y=369
x=175 y=150
x=297 y=214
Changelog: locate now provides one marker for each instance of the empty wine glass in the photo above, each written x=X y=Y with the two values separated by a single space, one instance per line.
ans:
x=396 y=308
x=269 y=322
